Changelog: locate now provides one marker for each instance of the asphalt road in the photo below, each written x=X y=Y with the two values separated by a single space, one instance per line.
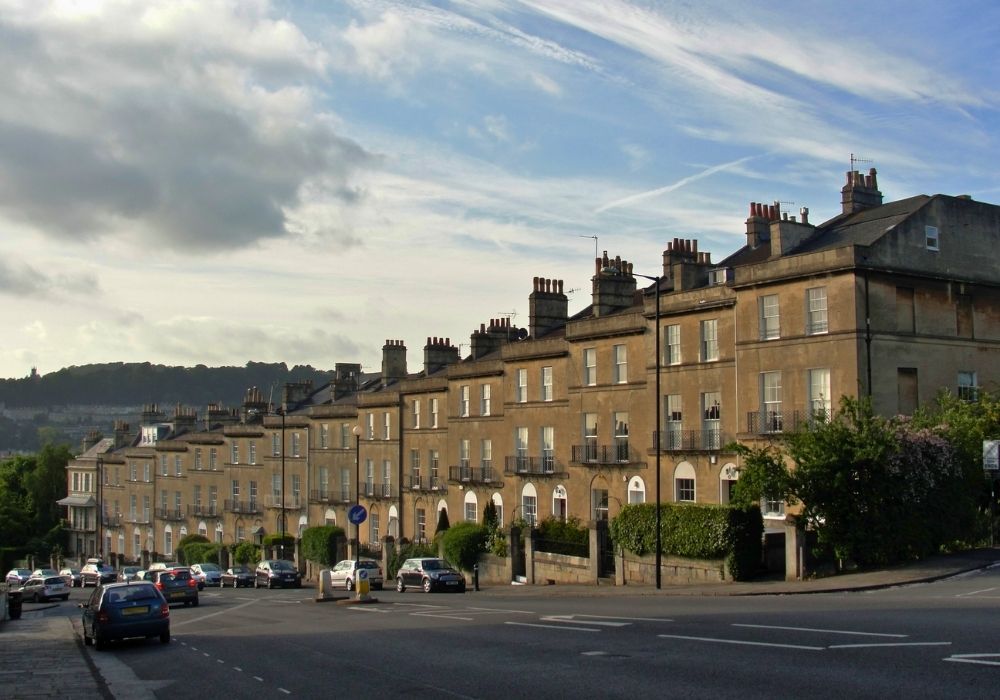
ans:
x=931 y=640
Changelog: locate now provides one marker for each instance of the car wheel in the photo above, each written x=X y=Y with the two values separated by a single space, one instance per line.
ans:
x=348 y=584
x=165 y=637
x=87 y=641
x=399 y=585
x=194 y=602
x=428 y=586
x=65 y=597
x=99 y=644
x=270 y=584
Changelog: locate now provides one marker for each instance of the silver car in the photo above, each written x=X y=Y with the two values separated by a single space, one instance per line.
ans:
x=207 y=574
x=72 y=577
x=17 y=577
x=344 y=573
x=43 y=588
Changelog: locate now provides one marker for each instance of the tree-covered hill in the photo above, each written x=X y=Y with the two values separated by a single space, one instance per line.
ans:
x=120 y=384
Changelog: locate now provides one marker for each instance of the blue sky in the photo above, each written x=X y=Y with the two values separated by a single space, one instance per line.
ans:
x=216 y=182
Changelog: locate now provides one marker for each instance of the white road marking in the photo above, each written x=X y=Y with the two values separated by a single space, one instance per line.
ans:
x=522 y=612
x=553 y=627
x=985 y=590
x=619 y=617
x=237 y=668
x=740 y=642
x=205 y=654
x=593 y=653
x=822 y=631
x=258 y=678
x=889 y=644
x=220 y=661
x=205 y=617
x=974 y=659
x=569 y=619
x=418 y=605
x=367 y=609
x=286 y=692
x=447 y=617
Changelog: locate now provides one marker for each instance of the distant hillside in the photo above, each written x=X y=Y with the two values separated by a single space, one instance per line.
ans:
x=121 y=384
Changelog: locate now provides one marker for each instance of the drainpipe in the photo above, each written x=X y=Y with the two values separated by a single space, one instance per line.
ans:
x=868 y=337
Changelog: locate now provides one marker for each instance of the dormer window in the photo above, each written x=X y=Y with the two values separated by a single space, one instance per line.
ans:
x=931 y=234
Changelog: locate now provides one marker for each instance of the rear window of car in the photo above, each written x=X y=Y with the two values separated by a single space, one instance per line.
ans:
x=131 y=593
x=282 y=566
x=53 y=580
x=368 y=565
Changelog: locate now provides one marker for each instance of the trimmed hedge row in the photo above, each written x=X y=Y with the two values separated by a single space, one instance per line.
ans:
x=319 y=544
x=463 y=543
x=694 y=531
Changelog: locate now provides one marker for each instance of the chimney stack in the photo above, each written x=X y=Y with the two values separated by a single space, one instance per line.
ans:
x=393 y=362
x=346 y=379
x=548 y=307
x=613 y=285
x=438 y=353
x=122 y=434
x=90 y=439
x=861 y=192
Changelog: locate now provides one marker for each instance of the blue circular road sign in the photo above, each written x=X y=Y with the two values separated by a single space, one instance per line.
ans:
x=357 y=514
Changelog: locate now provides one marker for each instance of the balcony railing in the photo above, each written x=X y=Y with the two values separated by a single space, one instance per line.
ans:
x=535 y=466
x=111 y=520
x=370 y=489
x=691 y=440
x=291 y=502
x=618 y=454
x=138 y=518
x=170 y=514
x=770 y=422
x=417 y=482
x=472 y=475
x=251 y=506
x=320 y=495
x=201 y=511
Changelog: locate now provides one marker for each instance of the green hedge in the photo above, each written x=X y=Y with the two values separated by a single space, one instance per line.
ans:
x=694 y=531
x=559 y=536
x=463 y=543
x=277 y=539
x=246 y=553
x=319 y=544
x=199 y=552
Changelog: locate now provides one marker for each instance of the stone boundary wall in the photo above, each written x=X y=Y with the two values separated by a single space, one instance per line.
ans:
x=634 y=569
x=561 y=568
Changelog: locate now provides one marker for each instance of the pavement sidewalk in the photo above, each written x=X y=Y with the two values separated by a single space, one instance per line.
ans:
x=44 y=657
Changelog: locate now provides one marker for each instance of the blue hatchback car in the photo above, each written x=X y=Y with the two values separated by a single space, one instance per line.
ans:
x=123 y=610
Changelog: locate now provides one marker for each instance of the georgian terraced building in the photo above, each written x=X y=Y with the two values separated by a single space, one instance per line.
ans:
x=893 y=301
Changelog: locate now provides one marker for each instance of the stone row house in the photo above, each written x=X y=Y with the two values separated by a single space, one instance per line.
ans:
x=893 y=301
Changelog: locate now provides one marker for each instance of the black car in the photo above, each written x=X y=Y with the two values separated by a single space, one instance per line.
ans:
x=177 y=586
x=430 y=574
x=277 y=572
x=122 y=610
x=236 y=576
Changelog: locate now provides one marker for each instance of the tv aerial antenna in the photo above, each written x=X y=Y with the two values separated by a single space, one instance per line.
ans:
x=857 y=159
x=596 y=255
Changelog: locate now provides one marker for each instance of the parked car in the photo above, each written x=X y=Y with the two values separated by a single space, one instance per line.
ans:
x=207 y=574
x=129 y=573
x=177 y=586
x=41 y=589
x=44 y=573
x=72 y=577
x=161 y=565
x=17 y=577
x=121 y=610
x=237 y=576
x=277 y=572
x=344 y=573
x=95 y=574
x=430 y=574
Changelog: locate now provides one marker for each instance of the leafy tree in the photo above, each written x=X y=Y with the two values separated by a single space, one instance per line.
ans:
x=246 y=553
x=876 y=490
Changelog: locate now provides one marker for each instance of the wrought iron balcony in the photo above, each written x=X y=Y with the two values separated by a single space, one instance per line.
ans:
x=251 y=506
x=416 y=482
x=320 y=495
x=291 y=502
x=532 y=466
x=771 y=422
x=370 y=489
x=482 y=474
x=691 y=440
x=619 y=454
x=197 y=510
x=111 y=520
x=138 y=518
x=170 y=514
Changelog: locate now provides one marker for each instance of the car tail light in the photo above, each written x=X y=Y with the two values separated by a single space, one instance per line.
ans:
x=159 y=586
x=102 y=617
x=164 y=610
x=192 y=583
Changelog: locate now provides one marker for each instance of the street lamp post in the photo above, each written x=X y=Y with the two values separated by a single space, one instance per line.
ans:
x=656 y=441
x=99 y=522
x=357 y=493
x=283 y=514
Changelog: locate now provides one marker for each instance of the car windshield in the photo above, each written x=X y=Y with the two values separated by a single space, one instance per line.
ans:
x=22 y=572
x=53 y=580
x=433 y=564
x=241 y=570
x=368 y=565
x=209 y=567
x=105 y=569
x=282 y=566
x=131 y=593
